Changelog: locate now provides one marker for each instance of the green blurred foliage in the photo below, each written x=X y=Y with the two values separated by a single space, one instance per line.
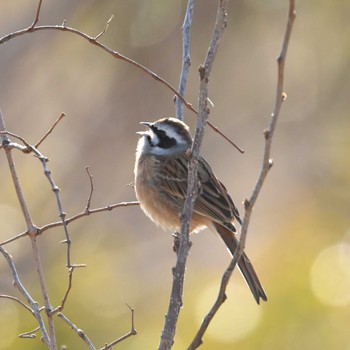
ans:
x=303 y=210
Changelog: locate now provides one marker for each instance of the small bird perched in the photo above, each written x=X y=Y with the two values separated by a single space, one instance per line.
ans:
x=161 y=171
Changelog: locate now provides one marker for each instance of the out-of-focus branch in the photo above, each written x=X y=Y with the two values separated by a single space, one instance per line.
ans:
x=10 y=297
x=186 y=59
x=37 y=15
x=266 y=166
x=77 y=330
x=88 y=203
x=168 y=333
x=33 y=304
x=93 y=40
x=125 y=336
x=30 y=334
x=69 y=287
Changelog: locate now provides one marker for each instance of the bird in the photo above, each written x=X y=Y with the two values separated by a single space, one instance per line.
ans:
x=161 y=176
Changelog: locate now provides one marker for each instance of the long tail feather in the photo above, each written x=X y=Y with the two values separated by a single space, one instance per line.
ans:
x=244 y=263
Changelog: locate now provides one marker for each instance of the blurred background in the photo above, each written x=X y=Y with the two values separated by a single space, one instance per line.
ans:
x=299 y=237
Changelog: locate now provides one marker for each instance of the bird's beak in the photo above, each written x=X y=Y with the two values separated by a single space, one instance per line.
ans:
x=144 y=133
x=146 y=123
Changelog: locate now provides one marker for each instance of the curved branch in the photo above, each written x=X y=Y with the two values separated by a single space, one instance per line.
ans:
x=93 y=41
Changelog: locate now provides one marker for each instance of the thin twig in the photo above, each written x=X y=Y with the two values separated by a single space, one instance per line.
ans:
x=27 y=148
x=32 y=231
x=69 y=287
x=29 y=334
x=44 y=160
x=217 y=130
x=186 y=59
x=71 y=219
x=50 y=130
x=80 y=332
x=168 y=333
x=87 y=213
x=33 y=304
x=266 y=165
x=104 y=31
x=63 y=27
x=5 y=296
x=87 y=208
x=36 y=19
x=125 y=336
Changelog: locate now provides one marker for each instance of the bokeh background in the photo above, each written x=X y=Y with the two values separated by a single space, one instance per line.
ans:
x=299 y=238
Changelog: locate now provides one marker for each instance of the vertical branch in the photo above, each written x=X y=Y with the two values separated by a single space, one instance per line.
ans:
x=34 y=305
x=186 y=59
x=168 y=333
x=266 y=166
x=5 y=142
x=36 y=19
x=32 y=229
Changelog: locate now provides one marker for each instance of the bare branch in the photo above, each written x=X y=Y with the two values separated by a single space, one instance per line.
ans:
x=216 y=129
x=36 y=19
x=29 y=334
x=87 y=208
x=87 y=213
x=186 y=59
x=69 y=287
x=50 y=130
x=105 y=28
x=80 y=332
x=168 y=333
x=266 y=165
x=268 y=134
x=33 y=304
x=71 y=219
x=93 y=40
x=31 y=230
x=125 y=336
x=18 y=301
x=5 y=143
x=27 y=148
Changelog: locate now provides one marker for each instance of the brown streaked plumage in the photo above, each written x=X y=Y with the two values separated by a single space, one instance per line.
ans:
x=161 y=184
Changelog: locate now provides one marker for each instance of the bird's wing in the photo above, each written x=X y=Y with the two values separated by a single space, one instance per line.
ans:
x=212 y=201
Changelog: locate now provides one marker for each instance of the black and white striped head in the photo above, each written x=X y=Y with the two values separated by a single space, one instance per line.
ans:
x=165 y=136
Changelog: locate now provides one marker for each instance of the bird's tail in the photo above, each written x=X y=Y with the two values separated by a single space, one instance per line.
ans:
x=244 y=263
